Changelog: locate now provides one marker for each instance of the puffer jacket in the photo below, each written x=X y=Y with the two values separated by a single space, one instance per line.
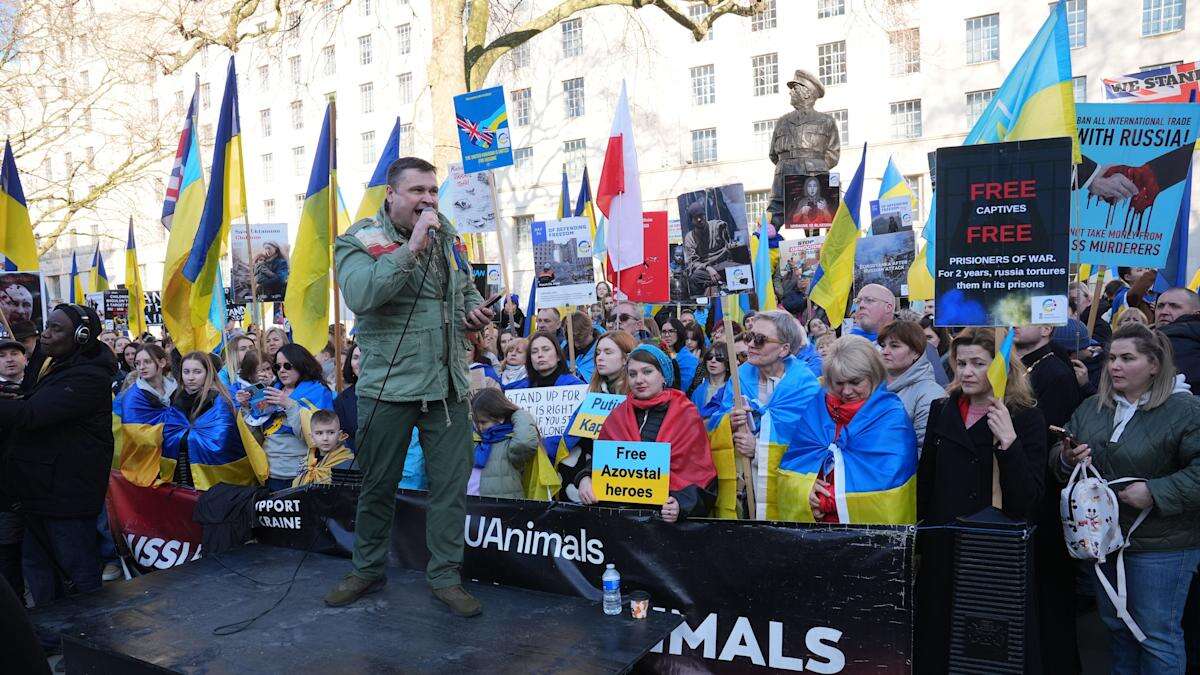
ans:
x=1184 y=334
x=917 y=388
x=1161 y=445
x=501 y=476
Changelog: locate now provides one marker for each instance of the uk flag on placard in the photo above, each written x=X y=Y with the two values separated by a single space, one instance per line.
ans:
x=1162 y=84
x=480 y=137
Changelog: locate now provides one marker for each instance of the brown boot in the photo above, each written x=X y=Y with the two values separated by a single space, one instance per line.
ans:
x=352 y=588
x=459 y=601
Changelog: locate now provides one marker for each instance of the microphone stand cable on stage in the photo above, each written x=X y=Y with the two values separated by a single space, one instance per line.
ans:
x=239 y=626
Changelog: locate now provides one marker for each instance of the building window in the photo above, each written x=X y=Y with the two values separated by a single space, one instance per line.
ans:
x=831 y=63
x=520 y=55
x=977 y=102
x=364 y=50
x=298 y=160
x=364 y=7
x=264 y=119
x=573 y=97
x=1077 y=22
x=765 y=19
x=330 y=59
x=521 y=103
x=404 y=34
x=704 y=146
x=704 y=85
x=299 y=202
x=205 y=96
x=268 y=167
x=523 y=231
x=914 y=184
x=983 y=38
x=765 y=71
x=1161 y=16
x=269 y=209
x=828 y=8
x=756 y=206
x=297 y=114
x=697 y=12
x=522 y=155
x=366 y=94
x=762 y=132
x=404 y=84
x=842 y=117
x=264 y=76
x=368 y=147
x=1079 y=87
x=905 y=47
x=206 y=135
x=294 y=68
x=572 y=37
x=575 y=152
x=407 y=143
x=906 y=118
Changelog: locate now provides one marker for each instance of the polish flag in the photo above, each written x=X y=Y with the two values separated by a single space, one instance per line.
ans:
x=619 y=193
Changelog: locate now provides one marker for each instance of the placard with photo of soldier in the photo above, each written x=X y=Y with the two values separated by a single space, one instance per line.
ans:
x=716 y=242
x=21 y=297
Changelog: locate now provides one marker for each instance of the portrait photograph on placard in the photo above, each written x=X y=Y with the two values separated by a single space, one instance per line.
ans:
x=21 y=297
x=269 y=253
x=562 y=261
x=716 y=241
x=809 y=201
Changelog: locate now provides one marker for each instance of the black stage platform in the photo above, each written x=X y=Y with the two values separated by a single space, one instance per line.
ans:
x=163 y=622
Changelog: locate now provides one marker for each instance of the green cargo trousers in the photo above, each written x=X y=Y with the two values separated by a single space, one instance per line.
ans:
x=445 y=436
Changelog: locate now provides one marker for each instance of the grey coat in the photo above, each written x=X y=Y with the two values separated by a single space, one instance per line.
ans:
x=917 y=388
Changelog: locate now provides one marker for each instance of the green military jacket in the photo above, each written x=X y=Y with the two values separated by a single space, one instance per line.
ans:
x=379 y=275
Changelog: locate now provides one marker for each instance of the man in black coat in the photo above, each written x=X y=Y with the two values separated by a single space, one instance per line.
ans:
x=1177 y=315
x=58 y=452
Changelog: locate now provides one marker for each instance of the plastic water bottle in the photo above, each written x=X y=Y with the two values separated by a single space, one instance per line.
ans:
x=612 y=590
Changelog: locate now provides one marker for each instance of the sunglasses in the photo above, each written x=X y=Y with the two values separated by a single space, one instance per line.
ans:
x=286 y=365
x=758 y=339
x=717 y=357
x=625 y=317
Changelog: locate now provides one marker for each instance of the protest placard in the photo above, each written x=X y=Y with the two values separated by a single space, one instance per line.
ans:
x=884 y=259
x=891 y=215
x=810 y=201
x=551 y=407
x=482 y=121
x=716 y=242
x=650 y=281
x=1003 y=211
x=268 y=262
x=466 y=199
x=562 y=261
x=800 y=255
x=112 y=308
x=153 y=300
x=1131 y=181
x=1175 y=83
x=21 y=297
x=487 y=278
x=592 y=412
x=631 y=471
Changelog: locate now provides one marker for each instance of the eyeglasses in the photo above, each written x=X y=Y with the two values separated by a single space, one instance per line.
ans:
x=625 y=317
x=758 y=339
x=286 y=365
x=867 y=301
x=664 y=331
x=718 y=357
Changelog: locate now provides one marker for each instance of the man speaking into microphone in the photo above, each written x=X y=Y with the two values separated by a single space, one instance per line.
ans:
x=414 y=300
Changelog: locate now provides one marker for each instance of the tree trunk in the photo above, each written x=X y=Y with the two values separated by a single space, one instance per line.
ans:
x=447 y=78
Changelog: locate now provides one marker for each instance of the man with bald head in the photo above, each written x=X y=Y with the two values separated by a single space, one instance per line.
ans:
x=874 y=308
x=1177 y=315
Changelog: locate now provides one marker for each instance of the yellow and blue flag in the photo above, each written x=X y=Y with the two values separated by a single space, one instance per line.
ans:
x=564 y=197
x=306 y=301
x=762 y=268
x=720 y=441
x=98 y=276
x=17 y=244
x=585 y=206
x=133 y=283
x=187 y=208
x=77 y=292
x=377 y=185
x=997 y=371
x=834 y=276
x=1036 y=100
x=872 y=461
x=894 y=185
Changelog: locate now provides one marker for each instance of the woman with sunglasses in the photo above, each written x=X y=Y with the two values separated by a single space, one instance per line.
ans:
x=672 y=333
x=656 y=411
x=711 y=379
x=301 y=385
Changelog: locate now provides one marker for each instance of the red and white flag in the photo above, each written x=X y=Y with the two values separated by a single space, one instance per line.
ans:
x=619 y=193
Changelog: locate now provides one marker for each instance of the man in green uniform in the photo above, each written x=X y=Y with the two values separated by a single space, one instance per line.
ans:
x=414 y=300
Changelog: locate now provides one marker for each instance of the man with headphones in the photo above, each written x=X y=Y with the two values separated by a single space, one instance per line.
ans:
x=55 y=462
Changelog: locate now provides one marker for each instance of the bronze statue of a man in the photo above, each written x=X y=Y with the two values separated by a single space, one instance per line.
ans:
x=805 y=141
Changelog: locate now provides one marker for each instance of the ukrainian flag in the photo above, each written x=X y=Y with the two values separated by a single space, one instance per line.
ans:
x=16 y=231
x=585 y=206
x=99 y=277
x=873 y=463
x=185 y=223
x=834 y=275
x=377 y=186
x=720 y=440
x=306 y=302
x=1036 y=100
x=998 y=370
x=77 y=293
x=894 y=185
x=762 y=268
x=133 y=283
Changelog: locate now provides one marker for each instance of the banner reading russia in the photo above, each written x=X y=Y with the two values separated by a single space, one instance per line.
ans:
x=482 y=121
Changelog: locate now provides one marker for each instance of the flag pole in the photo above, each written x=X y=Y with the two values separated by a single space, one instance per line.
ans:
x=491 y=175
x=1091 y=324
x=731 y=354
x=333 y=213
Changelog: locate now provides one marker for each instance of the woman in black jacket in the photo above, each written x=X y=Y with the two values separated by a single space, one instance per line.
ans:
x=59 y=449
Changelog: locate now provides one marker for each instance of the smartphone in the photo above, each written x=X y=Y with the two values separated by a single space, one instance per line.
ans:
x=260 y=386
x=1063 y=436
x=493 y=300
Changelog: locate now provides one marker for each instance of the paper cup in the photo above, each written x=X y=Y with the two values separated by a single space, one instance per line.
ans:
x=639 y=604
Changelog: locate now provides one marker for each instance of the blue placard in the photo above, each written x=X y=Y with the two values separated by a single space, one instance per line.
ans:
x=482 y=121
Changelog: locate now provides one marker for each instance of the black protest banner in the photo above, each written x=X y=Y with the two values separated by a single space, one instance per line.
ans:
x=757 y=596
x=1003 y=233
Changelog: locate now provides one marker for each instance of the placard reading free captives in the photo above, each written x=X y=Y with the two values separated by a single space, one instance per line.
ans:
x=631 y=472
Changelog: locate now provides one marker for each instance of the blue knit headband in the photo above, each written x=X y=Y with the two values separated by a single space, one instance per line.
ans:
x=664 y=362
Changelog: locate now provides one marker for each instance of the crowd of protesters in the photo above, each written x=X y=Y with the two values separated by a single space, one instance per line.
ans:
x=1113 y=387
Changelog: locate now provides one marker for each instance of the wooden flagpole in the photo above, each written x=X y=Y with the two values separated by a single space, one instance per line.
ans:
x=1096 y=290
x=504 y=274
x=333 y=217
x=747 y=469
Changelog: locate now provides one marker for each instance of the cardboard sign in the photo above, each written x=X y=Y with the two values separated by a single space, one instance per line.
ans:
x=884 y=259
x=1003 y=214
x=592 y=412
x=810 y=201
x=550 y=406
x=1143 y=151
x=716 y=242
x=631 y=472
x=562 y=261
x=482 y=121
x=650 y=281
x=269 y=264
x=466 y=200
x=112 y=308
